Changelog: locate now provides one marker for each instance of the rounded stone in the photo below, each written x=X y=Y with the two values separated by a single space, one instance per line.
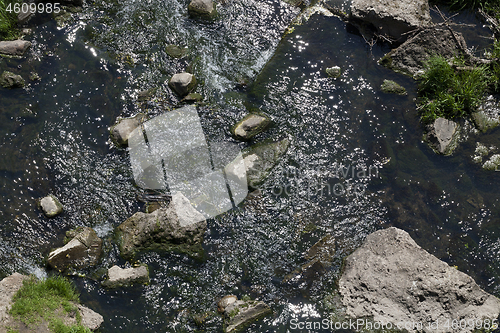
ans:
x=50 y=206
x=201 y=8
x=182 y=83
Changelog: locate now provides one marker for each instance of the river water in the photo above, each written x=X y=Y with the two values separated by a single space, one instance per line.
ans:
x=362 y=147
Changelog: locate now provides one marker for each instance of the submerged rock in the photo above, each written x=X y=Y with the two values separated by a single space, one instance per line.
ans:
x=258 y=160
x=11 y=80
x=442 y=136
x=250 y=126
x=410 y=57
x=176 y=227
x=119 y=277
x=487 y=115
x=392 y=18
x=239 y=314
x=83 y=250
x=50 y=206
x=201 y=8
x=176 y=51
x=391 y=87
x=192 y=98
x=14 y=47
x=393 y=280
x=182 y=83
x=493 y=164
x=120 y=132
x=334 y=71
x=9 y=287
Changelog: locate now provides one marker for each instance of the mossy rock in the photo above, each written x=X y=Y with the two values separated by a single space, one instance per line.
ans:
x=391 y=87
x=11 y=80
x=334 y=72
x=176 y=51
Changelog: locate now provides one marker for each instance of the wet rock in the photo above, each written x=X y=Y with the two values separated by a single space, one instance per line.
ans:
x=391 y=87
x=334 y=71
x=90 y=318
x=487 y=115
x=119 y=277
x=24 y=17
x=11 y=80
x=50 y=206
x=14 y=47
x=201 y=8
x=121 y=131
x=258 y=162
x=493 y=164
x=392 y=18
x=182 y=83
x=393 y=280
x=177 y=227
x=250 y=126
x=176 y=51
x=192 y=98
x=240 y=313
x=442 y=136
x=225 y=301
x=320 y=256
x=410 y=57
x=84 y=250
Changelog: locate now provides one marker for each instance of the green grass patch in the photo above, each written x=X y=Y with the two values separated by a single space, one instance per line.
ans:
x=8 y=20
x=450 y=93
x=39 y=300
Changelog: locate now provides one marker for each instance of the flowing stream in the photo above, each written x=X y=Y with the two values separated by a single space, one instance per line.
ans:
x=356 y=164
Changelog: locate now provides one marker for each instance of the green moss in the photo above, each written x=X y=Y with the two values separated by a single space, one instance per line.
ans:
x=8 y=21
x=449 y=93
x=40 y=300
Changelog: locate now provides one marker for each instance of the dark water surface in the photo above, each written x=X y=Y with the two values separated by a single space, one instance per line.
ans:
x=56 y=140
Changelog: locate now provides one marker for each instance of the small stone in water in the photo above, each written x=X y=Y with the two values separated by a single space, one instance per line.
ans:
x=334 y=72
x=50 y=206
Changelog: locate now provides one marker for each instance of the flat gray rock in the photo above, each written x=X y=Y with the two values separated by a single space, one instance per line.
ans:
x=392 y=18
x=118 y=277
x=90 y=318
x=251 y=125
x=393 y=280
x=14 y=47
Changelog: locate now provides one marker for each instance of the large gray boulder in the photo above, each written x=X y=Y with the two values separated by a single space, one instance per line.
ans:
x=258 y=162
x=119 y=277
x=393 y=280
x=11 y=80
x=392 y=18
x=410 y=57
x=83 y=250
x=14 y=47
x=176 y=227
x=251 y=125
x=442 y=136
x=50 y=206
x=239 y=313
x=120 y=132
x=182 y=83
x=201 y=8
